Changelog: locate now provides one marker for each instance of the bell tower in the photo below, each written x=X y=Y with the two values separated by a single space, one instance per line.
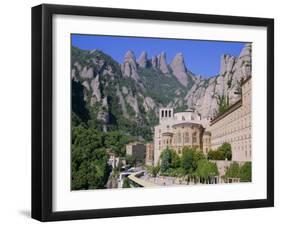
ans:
x=165 y=114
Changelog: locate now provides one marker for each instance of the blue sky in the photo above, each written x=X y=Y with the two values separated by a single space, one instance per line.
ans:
x=201 y=57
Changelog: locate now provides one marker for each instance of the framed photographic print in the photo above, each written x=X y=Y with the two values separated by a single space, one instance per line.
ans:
x=146 y=112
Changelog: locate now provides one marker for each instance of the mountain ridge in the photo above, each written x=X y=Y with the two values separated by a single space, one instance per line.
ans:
x=139 y=86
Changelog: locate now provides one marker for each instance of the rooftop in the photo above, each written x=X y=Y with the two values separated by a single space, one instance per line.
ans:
x=187 y=123
x=232 y=108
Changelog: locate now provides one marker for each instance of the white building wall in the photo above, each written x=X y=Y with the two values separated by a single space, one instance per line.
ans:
x=235 y=128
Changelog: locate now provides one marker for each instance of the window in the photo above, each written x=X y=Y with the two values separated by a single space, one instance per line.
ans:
x=186 y=138
x=194 y=137
x=179 y=138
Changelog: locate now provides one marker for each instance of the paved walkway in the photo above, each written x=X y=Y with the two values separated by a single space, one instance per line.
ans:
x=143 y=179
x=141 y=182
x=164 y=181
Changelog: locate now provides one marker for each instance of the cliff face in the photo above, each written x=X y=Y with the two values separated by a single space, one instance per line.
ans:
x=203 y=94
x=130 y=94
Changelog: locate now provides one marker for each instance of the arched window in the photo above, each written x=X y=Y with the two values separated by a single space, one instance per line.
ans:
x=186 y=138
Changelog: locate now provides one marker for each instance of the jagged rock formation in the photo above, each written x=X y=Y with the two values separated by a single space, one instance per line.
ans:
x=95 y=86
x=160 y=63
x=142 y=61
x=179 y=69
x=87 y=72
x=203 y=95
x=129 y=68
x=154 y=62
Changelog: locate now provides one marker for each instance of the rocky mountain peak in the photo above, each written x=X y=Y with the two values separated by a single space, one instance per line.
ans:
x=227 y=63
x=162 y=63
x=245 y=60
x=154 y=61
x=246 y=52
x=179 y=69
x=178 y=63
x=130 y=55
x=142 y=61
x=129 y=68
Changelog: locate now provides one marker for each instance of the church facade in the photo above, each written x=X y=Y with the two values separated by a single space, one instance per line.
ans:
x=177 y=130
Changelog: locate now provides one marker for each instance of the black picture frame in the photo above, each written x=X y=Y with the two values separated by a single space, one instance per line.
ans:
x=42 y=111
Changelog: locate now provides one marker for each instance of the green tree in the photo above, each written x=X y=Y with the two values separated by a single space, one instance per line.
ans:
x=245 y=172
x=226 y=149
x=166 y=160
x=232 y=171
x=206 y=170
x=89 y=159
x=176 y=161
x=116 y=141
x=197 y=156
x=98 y=171
x=187 y=159
x=216 y=155
x=223 y=152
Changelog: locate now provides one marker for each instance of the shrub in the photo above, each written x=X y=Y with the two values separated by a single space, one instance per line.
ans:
x=126 y=183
